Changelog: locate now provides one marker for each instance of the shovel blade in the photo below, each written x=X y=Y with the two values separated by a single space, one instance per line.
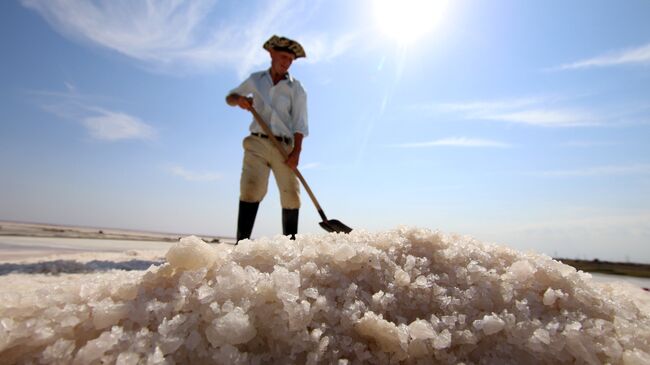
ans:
x=334 y=225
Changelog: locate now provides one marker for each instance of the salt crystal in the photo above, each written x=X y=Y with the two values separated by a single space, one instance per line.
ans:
x=449 y=321
x=70 y=321
x=465 y=337
x=474 y=266
x=191 y=253
x=205 y=294
x=94 y=349
x=551 y=295
x=343 y=252
x=402 y=278
x=385 y=333
x=636 y=357
x=418 y=348
x=127 y=358
x=521 y=270
x=158 y=358
x=59 y=351
x=233 y=328
x=421 y=282
x=191 y=279
x=309 y=269
x=311 y=293
x=612 y=348
x=106 y=313
x=442 y=340
x=580 y=347
x=376 y=298
x=286 y=283
x=542 y=336
x=490 y=324
x=410 y=263
x=421 y=329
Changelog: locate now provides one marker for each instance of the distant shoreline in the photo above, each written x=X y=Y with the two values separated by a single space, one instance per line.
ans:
x=9 y=228
x=608 y=267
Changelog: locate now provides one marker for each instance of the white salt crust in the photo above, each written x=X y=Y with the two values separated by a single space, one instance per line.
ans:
x=407 y=295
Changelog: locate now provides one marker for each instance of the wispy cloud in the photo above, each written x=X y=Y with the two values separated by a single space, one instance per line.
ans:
x=639 y=55
x=188 y=175
x=536 y=111
x=489 y=106
x=455 y=142
x=192 y=36
x=101 y=123
x=546 y=117
x=610 y=170
x=113 y=126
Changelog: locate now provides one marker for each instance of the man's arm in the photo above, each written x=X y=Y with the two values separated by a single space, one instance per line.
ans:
x=237 y=96
x=299 y=116
x=294 y=156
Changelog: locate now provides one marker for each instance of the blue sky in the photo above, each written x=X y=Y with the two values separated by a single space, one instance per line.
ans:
x=516 y=122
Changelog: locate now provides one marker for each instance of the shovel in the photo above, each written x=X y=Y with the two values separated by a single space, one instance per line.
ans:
x=330 y=225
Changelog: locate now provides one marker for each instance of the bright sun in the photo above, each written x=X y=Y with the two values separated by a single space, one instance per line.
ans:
x=407 y=21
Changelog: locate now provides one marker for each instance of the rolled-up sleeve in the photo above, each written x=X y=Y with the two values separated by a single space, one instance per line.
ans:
x=244 y=89
x=299 y=111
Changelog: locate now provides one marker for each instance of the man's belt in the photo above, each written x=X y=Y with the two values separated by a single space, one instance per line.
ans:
x=286 y=140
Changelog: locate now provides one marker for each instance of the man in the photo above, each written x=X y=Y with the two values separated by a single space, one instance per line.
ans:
x=282 y=102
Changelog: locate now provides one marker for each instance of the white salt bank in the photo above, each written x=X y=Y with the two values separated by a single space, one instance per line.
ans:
x=408 y=295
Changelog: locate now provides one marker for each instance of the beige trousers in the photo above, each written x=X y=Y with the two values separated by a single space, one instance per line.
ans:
x=260 y=157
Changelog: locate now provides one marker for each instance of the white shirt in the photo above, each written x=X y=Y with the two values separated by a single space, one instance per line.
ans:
x=283 y=106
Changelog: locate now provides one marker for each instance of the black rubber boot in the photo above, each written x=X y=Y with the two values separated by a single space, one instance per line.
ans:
x=246 y=219
x=290 y=222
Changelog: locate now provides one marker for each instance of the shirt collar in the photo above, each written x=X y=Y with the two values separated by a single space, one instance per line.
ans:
x=287 y=76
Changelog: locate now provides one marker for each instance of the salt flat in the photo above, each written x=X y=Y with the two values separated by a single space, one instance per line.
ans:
x=35 y=248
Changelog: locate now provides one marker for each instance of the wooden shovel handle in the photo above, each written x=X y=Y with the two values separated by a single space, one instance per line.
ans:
x=276 y=143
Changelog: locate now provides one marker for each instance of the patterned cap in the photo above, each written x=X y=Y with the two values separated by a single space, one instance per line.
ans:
x=286 y=45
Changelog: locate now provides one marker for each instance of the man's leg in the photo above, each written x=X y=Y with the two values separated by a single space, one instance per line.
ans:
x=253 y=185
x=289 y=187
x=290 y=222
x=246 y=219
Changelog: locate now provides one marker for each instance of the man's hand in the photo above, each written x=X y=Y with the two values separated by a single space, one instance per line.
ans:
x=294 y=156
x=293 y=159
x=243 y=102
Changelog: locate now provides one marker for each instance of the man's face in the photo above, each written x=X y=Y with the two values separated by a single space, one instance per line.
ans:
x=281 y=61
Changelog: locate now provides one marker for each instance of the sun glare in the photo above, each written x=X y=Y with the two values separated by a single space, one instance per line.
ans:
x=407 y=21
